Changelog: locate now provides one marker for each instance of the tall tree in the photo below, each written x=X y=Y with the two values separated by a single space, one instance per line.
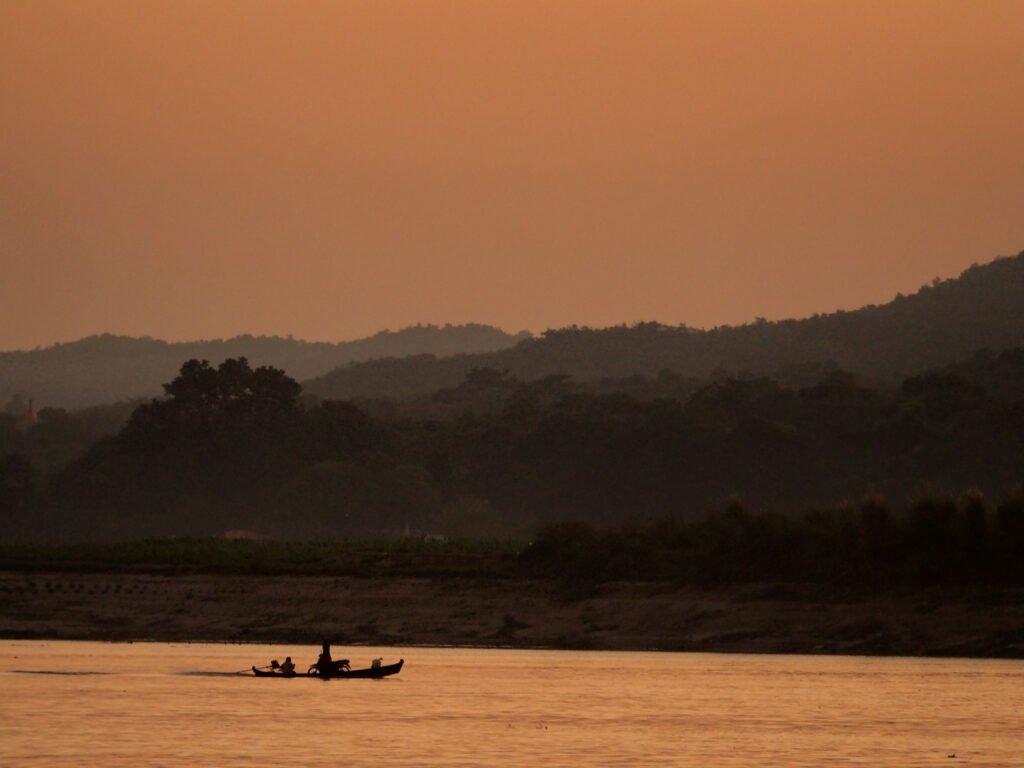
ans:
x=205 y=456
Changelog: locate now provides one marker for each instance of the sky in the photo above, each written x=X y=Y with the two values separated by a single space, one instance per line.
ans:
x=193 y=169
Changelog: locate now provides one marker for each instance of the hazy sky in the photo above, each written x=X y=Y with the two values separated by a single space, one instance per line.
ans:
x=328 y=169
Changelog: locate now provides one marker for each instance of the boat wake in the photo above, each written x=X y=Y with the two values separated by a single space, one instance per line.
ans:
x=202 y=673
x=187 y=673
x=54 y=672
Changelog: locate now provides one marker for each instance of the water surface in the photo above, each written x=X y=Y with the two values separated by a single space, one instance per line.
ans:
x=157 y=704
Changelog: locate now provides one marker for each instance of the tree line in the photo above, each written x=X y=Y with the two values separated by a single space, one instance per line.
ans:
x=234 y=447
x=937 y=541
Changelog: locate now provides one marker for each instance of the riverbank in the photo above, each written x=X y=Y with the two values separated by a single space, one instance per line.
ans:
x=528 y=613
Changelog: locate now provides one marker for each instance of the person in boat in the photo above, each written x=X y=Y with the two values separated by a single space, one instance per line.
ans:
x=327 y=666
x=288 y=668
x=375 y=664
x=324 y=664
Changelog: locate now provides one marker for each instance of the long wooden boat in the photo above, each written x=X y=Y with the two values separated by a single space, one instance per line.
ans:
x=370 y=672
x=337 y=674
x=273 y=673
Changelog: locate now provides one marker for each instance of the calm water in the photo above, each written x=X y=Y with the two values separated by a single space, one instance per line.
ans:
x=154 y=704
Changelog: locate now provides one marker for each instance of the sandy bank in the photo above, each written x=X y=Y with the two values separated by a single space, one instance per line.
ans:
x=508 y=612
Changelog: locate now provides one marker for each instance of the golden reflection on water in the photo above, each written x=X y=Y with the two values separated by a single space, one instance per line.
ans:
x=153 y=704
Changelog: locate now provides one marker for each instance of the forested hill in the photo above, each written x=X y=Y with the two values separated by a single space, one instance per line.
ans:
x=943 y=322
x=106 y=369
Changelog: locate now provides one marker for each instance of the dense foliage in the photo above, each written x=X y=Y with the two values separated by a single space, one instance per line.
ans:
x=236 y=448
x=937 y=541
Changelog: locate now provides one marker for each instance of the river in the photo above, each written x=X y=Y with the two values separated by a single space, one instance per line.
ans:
x=157 y=704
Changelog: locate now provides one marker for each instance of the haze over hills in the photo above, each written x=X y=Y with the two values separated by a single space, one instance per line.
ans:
x=106 y=369
x=943 y=322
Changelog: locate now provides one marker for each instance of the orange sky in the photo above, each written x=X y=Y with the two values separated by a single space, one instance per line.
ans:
x=328 y=169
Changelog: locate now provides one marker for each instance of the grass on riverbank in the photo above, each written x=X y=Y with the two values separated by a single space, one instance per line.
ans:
x=399 y=557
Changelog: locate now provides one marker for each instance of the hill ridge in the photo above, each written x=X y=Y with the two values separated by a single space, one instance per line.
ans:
x=106 y=368
x=941 y=323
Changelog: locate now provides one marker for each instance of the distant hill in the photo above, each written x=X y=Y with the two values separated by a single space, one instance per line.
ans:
x=107 y=369
x=942 y=323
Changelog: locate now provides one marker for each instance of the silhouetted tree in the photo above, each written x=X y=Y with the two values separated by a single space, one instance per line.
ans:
x=220 y=440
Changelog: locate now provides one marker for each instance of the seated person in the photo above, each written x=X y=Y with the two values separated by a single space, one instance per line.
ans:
x=288 y=668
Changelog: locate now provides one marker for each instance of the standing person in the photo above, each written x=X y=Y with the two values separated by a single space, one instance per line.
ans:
x=324 y=665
